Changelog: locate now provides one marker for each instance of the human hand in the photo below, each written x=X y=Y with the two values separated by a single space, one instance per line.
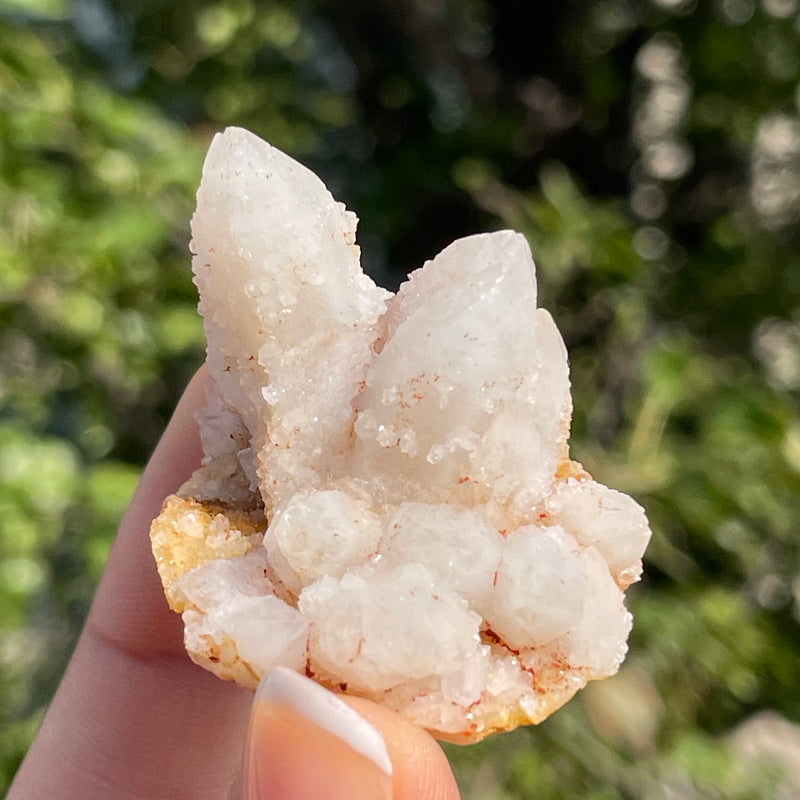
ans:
x=135 y=719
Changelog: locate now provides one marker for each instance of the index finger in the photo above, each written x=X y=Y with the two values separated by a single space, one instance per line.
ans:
x=134 y=717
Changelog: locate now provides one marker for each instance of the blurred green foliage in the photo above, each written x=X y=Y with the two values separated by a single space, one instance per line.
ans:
x=650 y=151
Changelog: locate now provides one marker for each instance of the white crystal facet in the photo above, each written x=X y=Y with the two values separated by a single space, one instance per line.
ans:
x=213 y=583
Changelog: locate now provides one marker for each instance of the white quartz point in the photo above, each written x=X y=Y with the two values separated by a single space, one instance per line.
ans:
x=460 y=348
x=317 y=534
x=519 y=454
x=597 y=644
x=266 y=631
x=539 y=587
x=287 y=309
x=233 y=602
x=388 y=626
x=458 y=545
x=612 y=522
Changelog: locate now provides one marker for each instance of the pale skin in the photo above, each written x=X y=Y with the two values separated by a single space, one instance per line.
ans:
x=135 y=719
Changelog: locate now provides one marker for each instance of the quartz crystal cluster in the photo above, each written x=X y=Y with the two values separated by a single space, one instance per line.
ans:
x=387 y=502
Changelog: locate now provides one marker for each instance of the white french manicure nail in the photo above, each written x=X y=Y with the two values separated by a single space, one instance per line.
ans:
x=323 y=708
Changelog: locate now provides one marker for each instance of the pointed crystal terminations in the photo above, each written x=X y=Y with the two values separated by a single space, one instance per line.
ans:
x=387 y=502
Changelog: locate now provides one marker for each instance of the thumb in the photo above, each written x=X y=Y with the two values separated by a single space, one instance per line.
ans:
x=305 y=743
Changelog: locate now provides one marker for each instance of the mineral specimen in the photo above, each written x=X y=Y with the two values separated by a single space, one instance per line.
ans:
x=387 y=501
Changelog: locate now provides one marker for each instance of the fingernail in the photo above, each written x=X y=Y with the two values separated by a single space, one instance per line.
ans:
x=304 y=742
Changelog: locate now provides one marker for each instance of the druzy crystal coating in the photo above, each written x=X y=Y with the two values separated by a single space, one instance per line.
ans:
x=387 y=502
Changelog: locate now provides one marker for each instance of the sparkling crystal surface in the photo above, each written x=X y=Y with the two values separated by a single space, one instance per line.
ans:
x=424 y=539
